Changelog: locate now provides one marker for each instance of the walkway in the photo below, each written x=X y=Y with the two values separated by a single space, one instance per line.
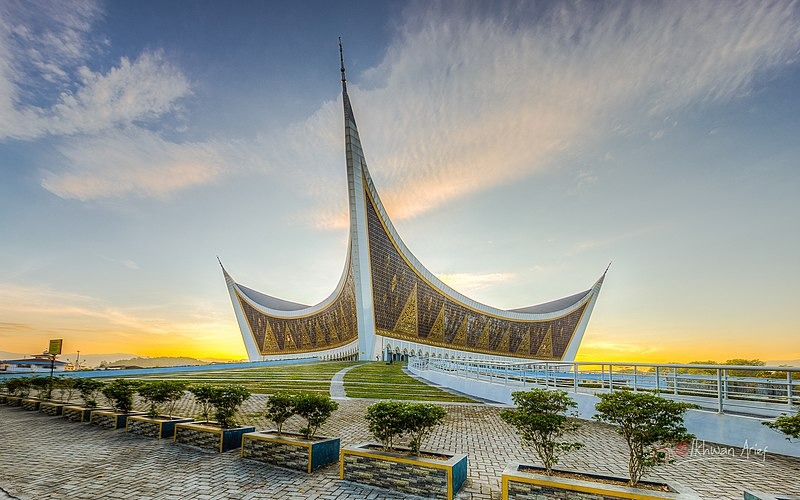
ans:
x=45 y=456
x=337 y=383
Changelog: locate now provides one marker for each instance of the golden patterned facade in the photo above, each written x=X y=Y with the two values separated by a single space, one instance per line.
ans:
x=333 y=326
x=408 y=307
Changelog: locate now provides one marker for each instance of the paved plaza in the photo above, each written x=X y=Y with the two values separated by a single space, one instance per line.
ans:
x=49 y=457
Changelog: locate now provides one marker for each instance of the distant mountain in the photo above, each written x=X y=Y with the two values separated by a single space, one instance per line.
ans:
x=779 y=362
x=158 y=362
x=86 y=360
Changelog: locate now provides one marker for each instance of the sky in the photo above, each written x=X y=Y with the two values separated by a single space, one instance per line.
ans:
x=518 y=147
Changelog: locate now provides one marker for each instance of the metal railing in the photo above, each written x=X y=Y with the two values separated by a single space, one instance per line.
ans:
x=752 y=390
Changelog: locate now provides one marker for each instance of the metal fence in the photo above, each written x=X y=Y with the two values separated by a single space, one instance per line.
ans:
x=750 y=390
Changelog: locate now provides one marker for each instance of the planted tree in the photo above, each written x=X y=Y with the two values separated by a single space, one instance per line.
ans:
x=66 y=387
x=119 y=393
x=13 y=386
x=787 y=424
x=419 y=419
x=541 y=421
x=648 y=423
x=89 y=389
x=22 y=386
x=316 y=409
x=386 y=422
x=226 y=401
x=159 y=393
x=280 y=408
x=41 y=385
x=389 y=420
x=203 y=394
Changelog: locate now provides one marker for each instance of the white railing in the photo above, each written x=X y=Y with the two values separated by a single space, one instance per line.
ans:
x=752 y=390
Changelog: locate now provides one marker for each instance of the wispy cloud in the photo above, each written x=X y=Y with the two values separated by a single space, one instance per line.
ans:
x=471 y=282
x=97 y=118
x=131 y=161
x=462 y=102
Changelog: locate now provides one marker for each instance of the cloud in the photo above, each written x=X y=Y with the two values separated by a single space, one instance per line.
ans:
x=132 y=161
x=470 y=282
x=104 y=123
x=463 y=102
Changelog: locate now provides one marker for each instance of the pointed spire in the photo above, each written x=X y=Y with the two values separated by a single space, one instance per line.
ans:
x=341 y=60
x=348 y=110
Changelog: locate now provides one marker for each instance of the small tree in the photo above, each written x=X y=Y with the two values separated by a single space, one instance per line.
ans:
x=541 y=421
x=648 y=423
x=89 y=388
x=203 y=394
x=23 y=386
x=386 y=421
x=173 y=391
x=66 y=387
x=119 y=393
x=40 y=385
x=161 y=392
x=13 y=386
x=280 y=408
x=419 y=420
x=315 y=409
x=789 y=425
x=226 y=400
x=389 y=420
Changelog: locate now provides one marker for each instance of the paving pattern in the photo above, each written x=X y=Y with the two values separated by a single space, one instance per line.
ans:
x=43 y=456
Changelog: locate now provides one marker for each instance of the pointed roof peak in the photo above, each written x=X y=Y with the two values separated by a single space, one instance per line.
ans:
x=341 y=60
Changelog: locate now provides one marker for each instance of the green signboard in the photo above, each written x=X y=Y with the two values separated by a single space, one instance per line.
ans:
x=55 y=347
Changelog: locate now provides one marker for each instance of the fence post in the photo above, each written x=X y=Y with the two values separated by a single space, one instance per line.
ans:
x=634 y=378
x=789 y=395
x=575 y=376
x=719 y=390
x=611 y=377
x=658 y=381
x=675 y=381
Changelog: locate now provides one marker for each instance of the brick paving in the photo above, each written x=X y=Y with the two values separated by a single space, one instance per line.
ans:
x=43 y=456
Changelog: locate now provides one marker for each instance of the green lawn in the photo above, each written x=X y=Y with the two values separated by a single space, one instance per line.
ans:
x=312 y=377
x=378 y=380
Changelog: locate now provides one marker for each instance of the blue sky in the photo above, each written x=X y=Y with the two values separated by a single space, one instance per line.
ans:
x=519 y=148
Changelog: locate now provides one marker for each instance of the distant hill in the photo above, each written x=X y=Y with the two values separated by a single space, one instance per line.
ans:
x=784 y=362
x=158 y=362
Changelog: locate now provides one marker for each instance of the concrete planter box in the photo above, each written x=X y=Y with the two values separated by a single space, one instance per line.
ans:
x=155 y=427
x=426 y=477
x=14 y=400
x=53 y=408
x=77 y=413
x=527 y=482
x=30 y=404
x=109 y=419
x=2 y=399
x=209 y=436
x=289 y=450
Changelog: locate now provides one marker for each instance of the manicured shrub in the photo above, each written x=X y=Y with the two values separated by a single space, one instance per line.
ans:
x=41 y=385
x=389 y=420
x=226 y=401
x=386 y=422
x=789 y=425
x=19 y=386
x=648 y=423
x=316 y=409
x=280 y=408
x=203 y=394
x=66 y=387
x=119 y=394
x=160 y=393
x=541 y=421
x=89 y=388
